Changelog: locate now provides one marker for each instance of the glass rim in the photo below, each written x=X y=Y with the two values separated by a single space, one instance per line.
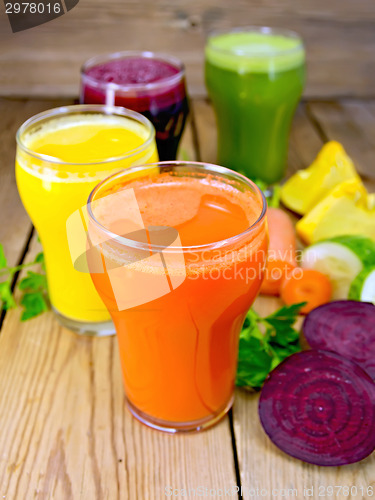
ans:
x=267 y=30
x=170 y=80
x=85 y=108
x=223 y=171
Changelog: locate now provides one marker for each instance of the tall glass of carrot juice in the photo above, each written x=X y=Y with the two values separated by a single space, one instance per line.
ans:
x=183 y=249
x=61 y=155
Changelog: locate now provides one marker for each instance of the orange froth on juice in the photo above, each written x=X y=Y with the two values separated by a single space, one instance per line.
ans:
x=203 y=211
x=179 y=352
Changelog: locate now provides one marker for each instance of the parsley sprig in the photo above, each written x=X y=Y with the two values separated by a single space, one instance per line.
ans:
x=271 y=192
x=34 y=289
x=265 y=342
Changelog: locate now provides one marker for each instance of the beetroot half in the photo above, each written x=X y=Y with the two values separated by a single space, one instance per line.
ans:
x=320 y=407
x=346 y=327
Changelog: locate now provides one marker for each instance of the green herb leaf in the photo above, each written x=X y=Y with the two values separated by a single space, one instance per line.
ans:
x=3 y=260
x=33 y=282
x=260 y=351
x=35 y=300
x=274 y=200
x=254 y=363
x=39 y=259
x=6 y=297
x=34 y=304
x=271 y=192
x=262 y=185
x=287 y=312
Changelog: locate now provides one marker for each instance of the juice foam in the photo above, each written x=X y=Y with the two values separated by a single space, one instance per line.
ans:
x=254 y=52
x=132 y=70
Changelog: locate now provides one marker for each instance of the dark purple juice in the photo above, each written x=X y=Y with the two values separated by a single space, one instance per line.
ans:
x=146 y=83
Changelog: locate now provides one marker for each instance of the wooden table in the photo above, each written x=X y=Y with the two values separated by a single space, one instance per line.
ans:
x=64 y=430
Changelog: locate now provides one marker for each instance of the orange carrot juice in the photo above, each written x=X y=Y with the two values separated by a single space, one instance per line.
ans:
x=179 y=350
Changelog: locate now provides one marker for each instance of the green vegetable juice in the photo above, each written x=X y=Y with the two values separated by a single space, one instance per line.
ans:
x=255 y=79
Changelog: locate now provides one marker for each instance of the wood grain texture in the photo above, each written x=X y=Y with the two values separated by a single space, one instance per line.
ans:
x=15 y=226
x=45 y=60
x=353 y=124
x=65 y=432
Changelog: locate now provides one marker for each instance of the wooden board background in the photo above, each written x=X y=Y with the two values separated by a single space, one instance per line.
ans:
x=45 y=61
x=65 y=433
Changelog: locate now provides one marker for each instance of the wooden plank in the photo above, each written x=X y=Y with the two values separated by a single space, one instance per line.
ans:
x=64 y=428
x=16 y=224
x=45 y=60
x=353 y=124
x=187 y=150
x=304 y=142
x=205 y=124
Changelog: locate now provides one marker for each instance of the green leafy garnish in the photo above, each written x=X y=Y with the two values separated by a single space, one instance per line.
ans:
x=34 y=287
x=271 y=192
x=6 y=296
x=274 y=199
x=265 y=342
x=3 y=260
x=34 y=304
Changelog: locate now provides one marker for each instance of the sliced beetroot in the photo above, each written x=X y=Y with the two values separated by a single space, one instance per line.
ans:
x=346 y=327
x=320 y=407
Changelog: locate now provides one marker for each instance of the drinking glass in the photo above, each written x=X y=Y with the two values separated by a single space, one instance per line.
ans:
x=254 y=77
x=61 y=155
x=149 y=83
x=178 y=304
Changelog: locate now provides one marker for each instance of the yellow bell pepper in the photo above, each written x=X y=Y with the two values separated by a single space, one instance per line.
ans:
x=307 y=187
x=347 y=209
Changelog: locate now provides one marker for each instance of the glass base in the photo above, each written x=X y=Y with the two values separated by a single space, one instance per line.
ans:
x=178 y=427
x=93 y=329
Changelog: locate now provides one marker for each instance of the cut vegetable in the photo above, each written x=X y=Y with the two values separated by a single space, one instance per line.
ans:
x=341 y=259
x=345 y=327
x=281 y=250
x=306 y=285
x=308 y=186
x=347 y=209
x=320 y=408
x=363 y=287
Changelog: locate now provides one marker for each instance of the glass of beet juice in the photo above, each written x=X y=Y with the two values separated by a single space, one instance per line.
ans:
x=152 y=84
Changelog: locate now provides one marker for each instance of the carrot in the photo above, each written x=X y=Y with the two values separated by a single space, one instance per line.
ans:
x=281 y=251
x=306 y=285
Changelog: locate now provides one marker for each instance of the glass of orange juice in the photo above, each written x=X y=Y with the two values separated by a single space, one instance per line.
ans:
x=189 y=240
x=61 y=155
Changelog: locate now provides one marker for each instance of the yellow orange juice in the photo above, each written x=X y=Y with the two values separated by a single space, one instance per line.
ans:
x=62 y=154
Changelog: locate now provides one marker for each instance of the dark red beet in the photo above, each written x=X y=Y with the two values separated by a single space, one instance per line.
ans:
x=320 y=407
x=346 y=327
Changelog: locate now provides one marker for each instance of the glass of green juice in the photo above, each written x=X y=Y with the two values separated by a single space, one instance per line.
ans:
x=254 y=77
